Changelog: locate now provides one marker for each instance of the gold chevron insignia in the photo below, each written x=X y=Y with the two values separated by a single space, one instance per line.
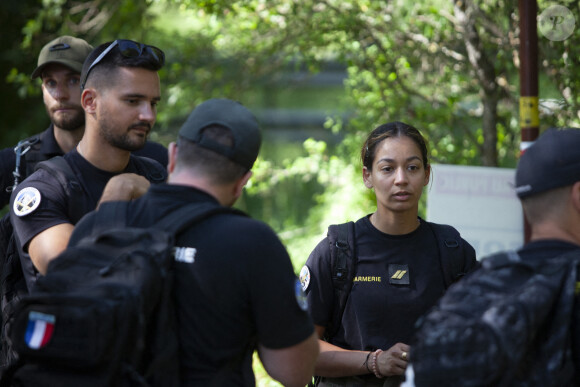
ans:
x=399 y=274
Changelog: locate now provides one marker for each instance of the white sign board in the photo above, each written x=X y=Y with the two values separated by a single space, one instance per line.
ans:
x=480 y=203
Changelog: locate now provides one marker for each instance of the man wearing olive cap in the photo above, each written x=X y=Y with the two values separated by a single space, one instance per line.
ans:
x=235 y=288
x=59 y=66
x=515 y=321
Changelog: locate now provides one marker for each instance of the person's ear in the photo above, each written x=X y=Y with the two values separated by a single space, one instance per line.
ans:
x=427 y=174
x=89 y=100
x=240 y=184
x=367 y=178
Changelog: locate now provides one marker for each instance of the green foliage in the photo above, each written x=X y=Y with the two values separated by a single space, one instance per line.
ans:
x=26 y=86
x=560 y=64
x=404 y=61
x=439 y=65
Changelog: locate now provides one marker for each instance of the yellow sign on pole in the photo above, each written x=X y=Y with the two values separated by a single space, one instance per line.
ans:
x=529 y=112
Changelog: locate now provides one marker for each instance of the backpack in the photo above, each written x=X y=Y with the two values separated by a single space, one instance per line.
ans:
x=453 y=256
x=12 y=281
x=103 y=314
x=507 y=325
x=12 y=286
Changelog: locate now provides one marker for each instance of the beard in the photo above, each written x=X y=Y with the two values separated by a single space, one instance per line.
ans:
x=108 y=129
x=68 y=122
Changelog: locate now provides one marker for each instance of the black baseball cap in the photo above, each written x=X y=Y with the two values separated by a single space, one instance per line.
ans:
x=65 y=50
x=232 y=115
x=553 y=161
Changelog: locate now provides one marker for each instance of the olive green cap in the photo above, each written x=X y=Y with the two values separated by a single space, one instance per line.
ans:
x=66 y=50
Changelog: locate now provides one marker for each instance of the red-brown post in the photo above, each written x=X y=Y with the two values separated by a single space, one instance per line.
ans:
x=529 y=111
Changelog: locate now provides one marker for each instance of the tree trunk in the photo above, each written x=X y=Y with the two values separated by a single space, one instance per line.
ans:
x=485 y=74
x=489 y=122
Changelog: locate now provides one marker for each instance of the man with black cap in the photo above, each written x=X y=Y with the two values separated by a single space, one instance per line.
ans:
x=451 y=351
x=235 y=288
x=120 y=92
x=59 y=66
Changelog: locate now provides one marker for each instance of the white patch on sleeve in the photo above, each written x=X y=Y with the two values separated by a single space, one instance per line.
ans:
x=305 y=277
x=185 y=254
x=26 y=201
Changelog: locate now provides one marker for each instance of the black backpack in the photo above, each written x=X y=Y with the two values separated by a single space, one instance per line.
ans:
x=453 y=256
x=12 y=281
x=510 y=324
x=12 y=286
x=103 y=314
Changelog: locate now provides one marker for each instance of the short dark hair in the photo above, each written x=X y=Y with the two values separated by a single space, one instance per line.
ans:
x=547 y=204
x=215 y=166
x=106 y=69
x=388 y=130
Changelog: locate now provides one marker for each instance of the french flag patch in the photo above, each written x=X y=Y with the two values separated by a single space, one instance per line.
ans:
x=39 y=329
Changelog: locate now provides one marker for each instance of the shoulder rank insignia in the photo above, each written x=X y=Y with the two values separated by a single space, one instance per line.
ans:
x=399 y=274
x=26 y=201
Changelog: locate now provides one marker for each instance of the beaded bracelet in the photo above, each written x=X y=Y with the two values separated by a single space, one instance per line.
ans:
x=375 y=367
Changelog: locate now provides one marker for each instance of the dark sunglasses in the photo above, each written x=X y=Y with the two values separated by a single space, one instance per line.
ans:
x=129 y=49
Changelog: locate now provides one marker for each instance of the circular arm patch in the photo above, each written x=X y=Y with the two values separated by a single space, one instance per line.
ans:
x=305 y=277
x=26 y=201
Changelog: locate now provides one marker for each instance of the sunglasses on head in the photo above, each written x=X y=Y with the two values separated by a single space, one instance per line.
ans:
x=129 y=49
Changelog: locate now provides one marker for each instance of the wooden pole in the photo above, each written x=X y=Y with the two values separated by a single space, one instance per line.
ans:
x=529 y=111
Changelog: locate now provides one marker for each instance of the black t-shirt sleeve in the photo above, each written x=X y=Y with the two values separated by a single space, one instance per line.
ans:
x=276 y=295
x=319 y=290
x=50 y=211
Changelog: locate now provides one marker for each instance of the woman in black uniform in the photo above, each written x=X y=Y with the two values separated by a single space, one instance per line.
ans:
x=399 y=272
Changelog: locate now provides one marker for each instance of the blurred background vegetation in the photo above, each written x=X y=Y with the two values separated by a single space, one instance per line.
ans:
x=319 y=75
